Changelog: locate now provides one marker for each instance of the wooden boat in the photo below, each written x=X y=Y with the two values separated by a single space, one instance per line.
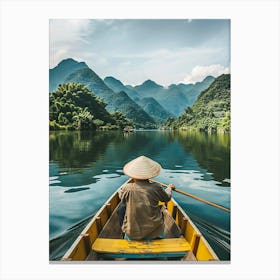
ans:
x=128 y=130
x=102 y=238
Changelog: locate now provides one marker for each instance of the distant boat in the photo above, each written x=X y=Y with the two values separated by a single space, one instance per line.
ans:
x=127 y=130
x=102 y=238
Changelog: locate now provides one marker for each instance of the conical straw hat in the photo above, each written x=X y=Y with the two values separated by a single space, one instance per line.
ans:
x=142 y=168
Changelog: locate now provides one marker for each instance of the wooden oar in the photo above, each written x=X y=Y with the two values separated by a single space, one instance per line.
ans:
x=196 y=197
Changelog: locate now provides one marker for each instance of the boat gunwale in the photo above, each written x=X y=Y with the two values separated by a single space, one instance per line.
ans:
x=88 y=226
x=196 y=229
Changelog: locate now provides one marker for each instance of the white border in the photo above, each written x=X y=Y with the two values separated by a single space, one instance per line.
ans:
x=255 y=138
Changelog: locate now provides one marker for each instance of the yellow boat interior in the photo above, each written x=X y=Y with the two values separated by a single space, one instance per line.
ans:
x=102 y=238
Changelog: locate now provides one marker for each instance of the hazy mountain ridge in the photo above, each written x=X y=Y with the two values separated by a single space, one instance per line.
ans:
x=117 y=86
x=174 y=98
x=59 y=73
x=149 y=104
x=154 y=109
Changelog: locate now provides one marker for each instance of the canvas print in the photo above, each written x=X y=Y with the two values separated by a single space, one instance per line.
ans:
x=139 y=140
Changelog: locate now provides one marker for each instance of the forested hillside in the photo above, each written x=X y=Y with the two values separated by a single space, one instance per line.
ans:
x=74 y=106
x=210 y=112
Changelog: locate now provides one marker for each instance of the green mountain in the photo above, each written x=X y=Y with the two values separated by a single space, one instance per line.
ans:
x=211 y=111
x=192 y=91
x=118 y=86
x=93 y=82
x=58 y=74
x=154 y=109
x=174 y=98
x=74 y=106
x=116 y=101
x=114 y=84
x=149 y=89
x=133 y=111
x=148 y=104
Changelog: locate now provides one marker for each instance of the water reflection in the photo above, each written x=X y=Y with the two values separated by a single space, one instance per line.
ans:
x=99 y=152
x=212 y=152
x=80 y=149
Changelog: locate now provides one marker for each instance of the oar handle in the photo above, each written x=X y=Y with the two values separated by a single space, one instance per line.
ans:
x=197 y=198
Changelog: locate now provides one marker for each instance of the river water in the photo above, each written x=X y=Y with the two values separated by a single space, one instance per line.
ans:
x=86 y=168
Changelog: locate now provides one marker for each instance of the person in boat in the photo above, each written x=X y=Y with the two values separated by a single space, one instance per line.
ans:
x=143 y=218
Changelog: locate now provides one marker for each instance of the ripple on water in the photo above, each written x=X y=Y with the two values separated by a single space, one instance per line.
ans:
x=181 y=171
x=106 y=176
x=208 y=186
x=53 y=180
x=72 y=190
x=226 y=180
x=112 y=176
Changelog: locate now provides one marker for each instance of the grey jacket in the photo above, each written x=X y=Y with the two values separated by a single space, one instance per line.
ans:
x=143 y=217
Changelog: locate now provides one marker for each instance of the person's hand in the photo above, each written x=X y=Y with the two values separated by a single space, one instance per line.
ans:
x=171 y=186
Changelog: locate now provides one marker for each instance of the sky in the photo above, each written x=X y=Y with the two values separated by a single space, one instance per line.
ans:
x=167 y=51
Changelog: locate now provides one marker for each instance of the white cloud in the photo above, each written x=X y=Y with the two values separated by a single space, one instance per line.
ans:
x=66 y=35
x=198 y=73
x=65 y=30
x=163 y=66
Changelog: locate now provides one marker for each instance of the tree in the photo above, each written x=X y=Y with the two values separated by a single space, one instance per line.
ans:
x=120 y=120
x=84 y=120
x=98 y=123
x=74 y=106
